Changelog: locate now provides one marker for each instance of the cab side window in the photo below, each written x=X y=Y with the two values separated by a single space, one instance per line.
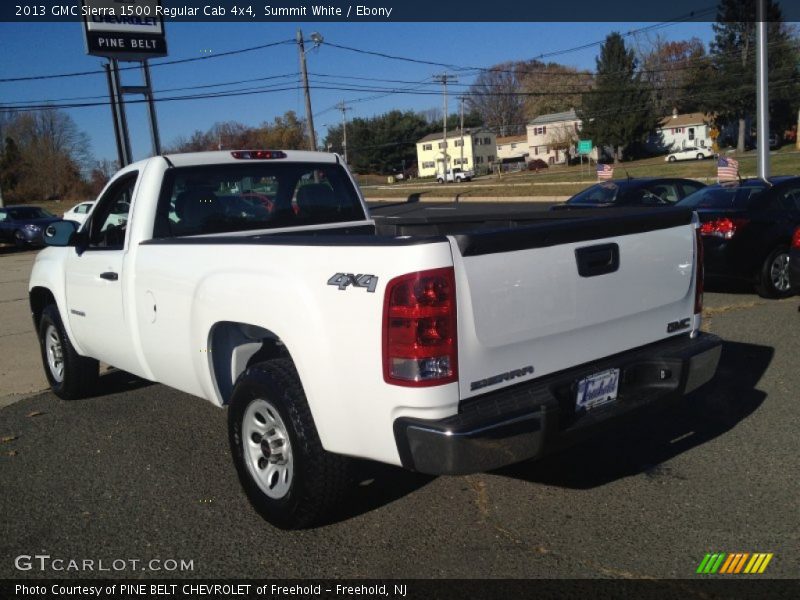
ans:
x=110 y=217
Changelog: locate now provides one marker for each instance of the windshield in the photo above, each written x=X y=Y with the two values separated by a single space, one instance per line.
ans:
x=252 y=196
x=29 y=212
x=601 y=193
x=721 y=196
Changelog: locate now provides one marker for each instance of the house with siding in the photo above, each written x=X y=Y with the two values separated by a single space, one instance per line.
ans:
x=474 y=148
x=553 y=137
x=679 y=131
x=512 y=148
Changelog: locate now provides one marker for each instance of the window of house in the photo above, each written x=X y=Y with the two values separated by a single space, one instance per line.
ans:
x=464 y=161
x=428 y=164
x=487 y=140
x=536 y=150
x=477 y=141
x=442 y=144
x=458 y=143
x=490 y=158
x=691 y=133
x=677 y=130
x=513 y=146
x=540 y=130
x=427 y=146
x=478 y=160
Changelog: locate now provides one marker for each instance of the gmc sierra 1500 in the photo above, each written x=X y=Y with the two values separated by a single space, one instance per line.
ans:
x=259 y=281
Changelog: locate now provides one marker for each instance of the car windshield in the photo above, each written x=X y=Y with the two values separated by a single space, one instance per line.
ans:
x=601 y=193
x=252 y=196
x=723 y=196
x=28 y=212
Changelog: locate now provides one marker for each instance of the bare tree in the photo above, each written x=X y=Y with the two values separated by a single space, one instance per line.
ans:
x=496 y=97
x=552 y=87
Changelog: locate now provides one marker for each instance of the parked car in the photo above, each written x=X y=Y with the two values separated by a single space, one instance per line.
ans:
x=23 y=225
x=642 y=191
x=457 y=174
x=79 y=213
x=690 y=153
x=747 y=230
x=446 y=344
x=794 y=261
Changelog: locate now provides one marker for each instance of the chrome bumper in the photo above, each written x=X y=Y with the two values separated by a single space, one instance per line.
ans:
x=520 y=422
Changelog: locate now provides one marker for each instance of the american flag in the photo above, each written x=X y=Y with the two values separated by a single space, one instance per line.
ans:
x=727 y=168
x=605 y=171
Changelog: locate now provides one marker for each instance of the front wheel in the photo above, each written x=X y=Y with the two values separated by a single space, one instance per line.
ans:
x=70 y=375
x=773 y=280
x=440 y=180
x=287 y=475
x=19 y=240
x=700 y=157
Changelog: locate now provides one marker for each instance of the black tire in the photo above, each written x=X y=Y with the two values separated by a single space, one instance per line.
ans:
x=440 y=180
x=78 y=373
x=700 y=157
x=319 y=479
x=672 y=159
x=19 y=240
x=765 y=282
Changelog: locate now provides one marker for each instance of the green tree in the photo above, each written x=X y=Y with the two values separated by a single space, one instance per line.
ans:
x=381 y=144
x=618 y=112
x=10 y=166
x=733 y=54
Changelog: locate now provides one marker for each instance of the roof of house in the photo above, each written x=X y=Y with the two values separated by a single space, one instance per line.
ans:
x=568 y=115
x=454 y=134
x=683 y=120
x=512 y=139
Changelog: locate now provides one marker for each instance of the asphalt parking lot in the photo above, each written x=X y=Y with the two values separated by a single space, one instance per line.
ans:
x=143 y=472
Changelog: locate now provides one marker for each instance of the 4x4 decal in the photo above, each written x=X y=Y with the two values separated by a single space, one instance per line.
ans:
x=342 y=280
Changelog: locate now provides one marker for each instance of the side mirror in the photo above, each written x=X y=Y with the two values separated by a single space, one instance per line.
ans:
x=60 y=233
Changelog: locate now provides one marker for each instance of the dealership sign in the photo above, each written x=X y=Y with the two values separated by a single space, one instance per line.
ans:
x=124 y=29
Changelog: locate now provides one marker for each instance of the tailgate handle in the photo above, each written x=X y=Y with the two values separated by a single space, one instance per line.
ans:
x=597 y=260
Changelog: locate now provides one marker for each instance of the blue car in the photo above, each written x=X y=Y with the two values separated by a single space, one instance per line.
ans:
x=23 y=225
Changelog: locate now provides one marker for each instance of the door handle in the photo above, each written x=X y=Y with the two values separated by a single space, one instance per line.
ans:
x=597 y=260
x=109 y=275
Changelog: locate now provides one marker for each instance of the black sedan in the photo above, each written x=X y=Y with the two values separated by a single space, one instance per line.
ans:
x=23 y=225
x=747 y=230
x=642 y=191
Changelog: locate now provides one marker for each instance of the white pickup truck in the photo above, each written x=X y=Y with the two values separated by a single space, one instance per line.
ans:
x=456 y=175
x=258 y=280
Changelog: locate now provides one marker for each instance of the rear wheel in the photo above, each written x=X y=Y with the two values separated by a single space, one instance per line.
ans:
x=773 y=281
x=19 y=240
x=672 y=159
x=440 y=180
x=70 y=375
x=700 y=156
x=287 y=475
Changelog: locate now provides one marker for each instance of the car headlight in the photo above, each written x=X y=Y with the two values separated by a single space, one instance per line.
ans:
x=32 y=227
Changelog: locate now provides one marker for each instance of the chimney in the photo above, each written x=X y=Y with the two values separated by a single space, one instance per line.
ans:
x=674 y=113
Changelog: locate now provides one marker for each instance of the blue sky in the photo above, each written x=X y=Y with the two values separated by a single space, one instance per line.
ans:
x=47 y=48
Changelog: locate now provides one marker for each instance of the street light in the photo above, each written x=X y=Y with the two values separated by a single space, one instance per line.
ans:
x=317 y=39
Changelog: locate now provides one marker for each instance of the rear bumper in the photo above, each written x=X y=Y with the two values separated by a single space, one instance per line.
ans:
x=523 y=421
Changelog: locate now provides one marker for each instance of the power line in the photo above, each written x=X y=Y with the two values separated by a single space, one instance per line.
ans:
x=152 y=65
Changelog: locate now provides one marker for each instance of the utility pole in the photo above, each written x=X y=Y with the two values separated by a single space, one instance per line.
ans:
x=312 y=138
x=344 y=108
x=762 y=93
x=444 y=78
x=461 y=130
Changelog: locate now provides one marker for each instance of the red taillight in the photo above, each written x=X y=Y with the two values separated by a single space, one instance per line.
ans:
x=723 y=227
x=258 y=154
x=699 y=273
x=419 y=329
x=796 y=239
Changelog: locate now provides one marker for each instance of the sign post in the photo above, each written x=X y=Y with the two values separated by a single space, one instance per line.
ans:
x=584 y=149
x=126 y=31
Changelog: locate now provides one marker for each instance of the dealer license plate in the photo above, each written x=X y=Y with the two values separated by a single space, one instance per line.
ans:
x=598 y=389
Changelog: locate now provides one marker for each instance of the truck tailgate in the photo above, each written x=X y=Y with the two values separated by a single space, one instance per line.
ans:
x=546 y=297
